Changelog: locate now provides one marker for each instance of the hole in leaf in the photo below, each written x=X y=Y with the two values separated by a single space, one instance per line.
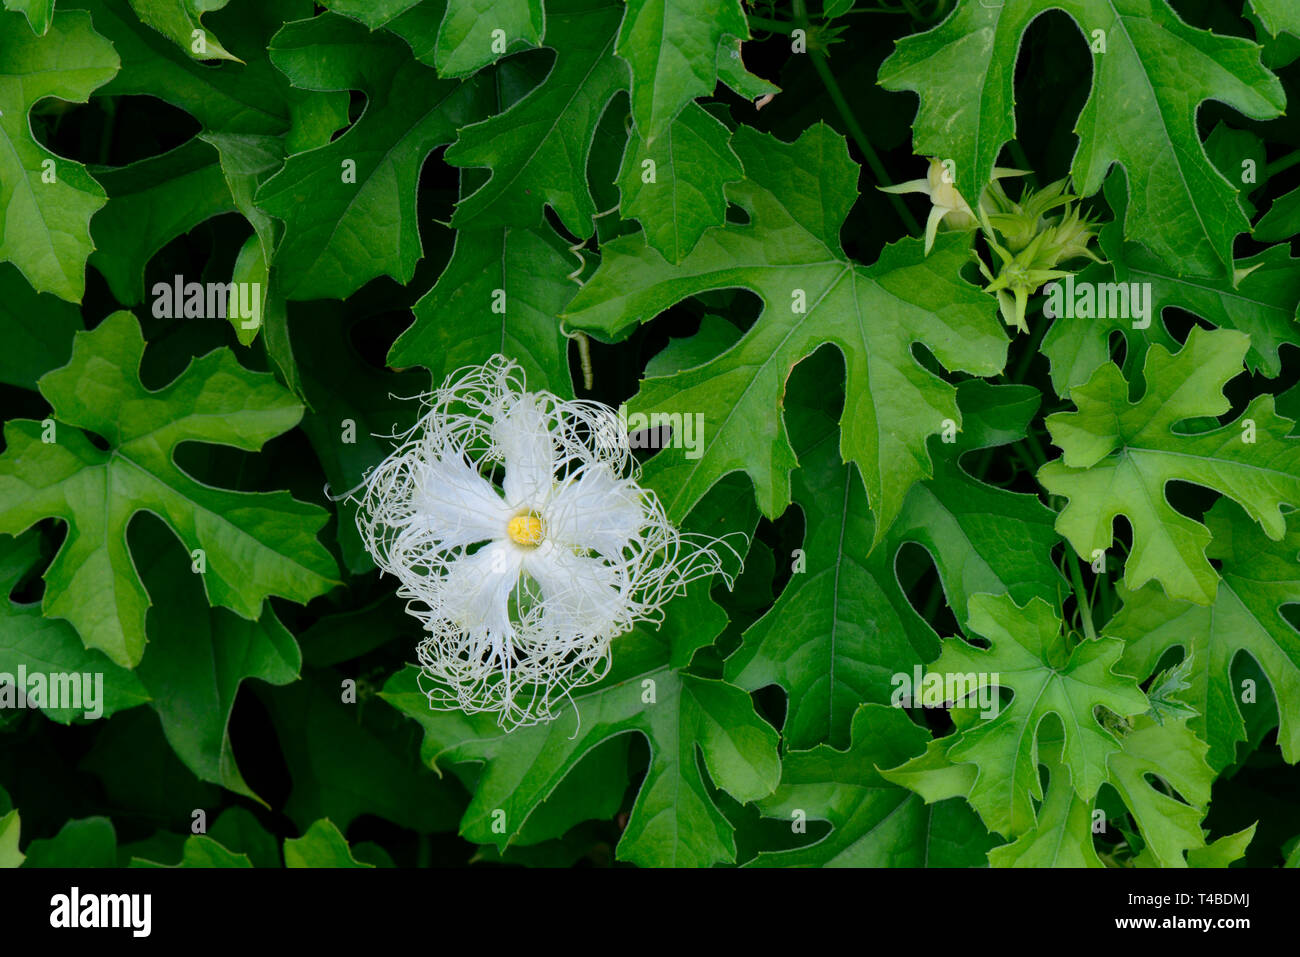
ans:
x=1053 y=78
x=771 y=702
x=97 y=440
x=737 y=215
x=111 y=131
x=919 y=577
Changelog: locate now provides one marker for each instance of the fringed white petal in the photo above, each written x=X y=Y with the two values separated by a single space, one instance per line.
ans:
x=523 y=435
x=515 y=623
x=594 y=509
x=581 y=597
x=475 y=593
x=456 y=504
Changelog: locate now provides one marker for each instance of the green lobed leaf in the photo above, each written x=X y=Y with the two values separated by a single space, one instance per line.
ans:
x=50 y=646
x=1259 y=299
x=1141 y=111
x=676 y=187
x=89 y=842
x=1171 y=753
x=323 y=845
x=348 y=207
x=460 y=37
x=173 y=193
x=874 y=823
x=1282 y=221
x=238 y=831
x=39 y=13
x=537 y=149
x=1277 y=16
x=672 y=47
x=674 y=821
x=46 y=201
x=1118 y=456
x=201 y=851
x=797 y=196
x=195 y=663
x=505 y=287
x=10 y=828
x=843 y=628
x=1225 y=851
x=1258 y=578
x=255 y=544
x=179 y=21
x=1031 y=656
x=250 y=113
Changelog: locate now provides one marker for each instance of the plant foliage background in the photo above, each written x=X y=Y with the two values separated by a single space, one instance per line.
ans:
x=386 y=168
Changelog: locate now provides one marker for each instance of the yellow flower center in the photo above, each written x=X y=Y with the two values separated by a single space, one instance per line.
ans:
x=525 y=529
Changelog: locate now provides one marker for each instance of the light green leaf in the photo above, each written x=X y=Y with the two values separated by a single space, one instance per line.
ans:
x=255 y=544
x=251 y=273
x=1048 y=676
x=460 y=37
x=1258 y=578
x=46 y=201
x=732 y=72
x=39 y=13
x=10 y=828
x=201 y=851
x=1062 y=835
x=1263 y=305
x=671 y=47
x=1160 y=775
x=1278 y=15
x=50 y=646
x=323 y=845
x=675 y=188
x=178 y=21
x=1260 y=299
x=1225 y=851
x=89 y=842
x=1171 y=753
x=373 y=13
x=1119 y=456
x=1293 y=855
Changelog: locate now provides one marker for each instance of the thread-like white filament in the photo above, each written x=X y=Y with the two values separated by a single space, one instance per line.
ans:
x=517 y=531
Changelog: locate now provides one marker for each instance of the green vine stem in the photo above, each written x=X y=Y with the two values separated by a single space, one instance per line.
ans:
x=855 y=129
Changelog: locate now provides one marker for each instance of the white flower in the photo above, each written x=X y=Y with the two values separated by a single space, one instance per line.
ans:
x=515 y=526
